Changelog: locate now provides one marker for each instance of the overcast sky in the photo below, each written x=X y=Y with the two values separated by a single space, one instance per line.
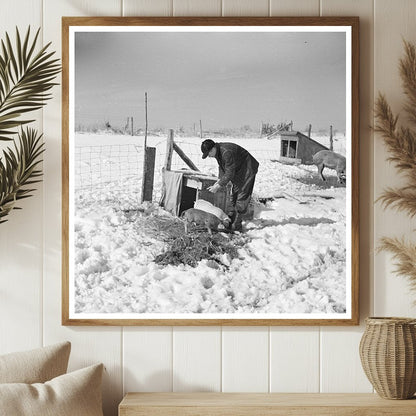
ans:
x=226 y=79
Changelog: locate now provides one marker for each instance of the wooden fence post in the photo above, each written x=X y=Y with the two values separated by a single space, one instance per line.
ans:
x=309 y=131
x=148 y=161
x=169 y=150
x=168 y=163
x=148 y=174
x=200 y=127
x=331 y=140
x=145 y=115
x=185 y=158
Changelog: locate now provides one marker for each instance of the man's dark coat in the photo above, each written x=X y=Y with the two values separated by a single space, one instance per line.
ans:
x=235 y=164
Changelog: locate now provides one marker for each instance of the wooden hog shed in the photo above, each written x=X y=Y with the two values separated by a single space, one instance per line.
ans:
x=181 y=188
x=297 y=148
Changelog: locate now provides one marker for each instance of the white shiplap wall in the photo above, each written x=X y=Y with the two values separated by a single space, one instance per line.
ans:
x=260 y=359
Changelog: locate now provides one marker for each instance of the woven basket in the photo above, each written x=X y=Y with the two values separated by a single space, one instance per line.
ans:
x=388 y=356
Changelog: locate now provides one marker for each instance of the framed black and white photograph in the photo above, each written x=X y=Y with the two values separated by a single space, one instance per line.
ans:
x=210 y=171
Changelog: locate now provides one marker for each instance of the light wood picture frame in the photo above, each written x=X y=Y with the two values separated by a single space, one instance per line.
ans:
x=139 y=97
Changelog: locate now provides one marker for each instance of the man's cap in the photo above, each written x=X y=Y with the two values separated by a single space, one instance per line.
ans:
x=206 y=146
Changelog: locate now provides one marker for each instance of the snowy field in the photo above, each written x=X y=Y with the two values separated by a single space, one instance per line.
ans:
x=292 y=260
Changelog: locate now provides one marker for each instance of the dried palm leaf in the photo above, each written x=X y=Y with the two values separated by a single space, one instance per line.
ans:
x=407 y=68
x=405 y=255
x=401 y=143
x=402 y=199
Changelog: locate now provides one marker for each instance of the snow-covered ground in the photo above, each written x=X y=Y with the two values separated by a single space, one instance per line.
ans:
x=293 y=259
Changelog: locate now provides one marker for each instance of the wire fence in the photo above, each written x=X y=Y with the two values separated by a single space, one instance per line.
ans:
x=101 y=165
x=113 y=172
x=110 y=173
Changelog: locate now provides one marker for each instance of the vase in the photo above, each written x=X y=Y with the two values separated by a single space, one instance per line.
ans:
x=388 y=356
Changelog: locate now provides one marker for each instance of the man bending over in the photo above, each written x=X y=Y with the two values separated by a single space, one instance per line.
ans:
x=238 y=166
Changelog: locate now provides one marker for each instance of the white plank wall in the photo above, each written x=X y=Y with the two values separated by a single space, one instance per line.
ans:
x=245 y=364
x=249 y=359
x=148 y=7
x=294 y=351
x=204 y=7
x=400 y=14
x=294 y=8
x=245 y=8
x=147 y=359
x=21 y=236
x=197 y=359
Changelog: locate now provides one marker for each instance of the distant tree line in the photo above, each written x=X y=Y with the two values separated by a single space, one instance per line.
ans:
x=267 y=129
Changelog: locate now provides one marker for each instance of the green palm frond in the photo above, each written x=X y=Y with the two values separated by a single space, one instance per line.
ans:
x=26 y=78
x=19 y=170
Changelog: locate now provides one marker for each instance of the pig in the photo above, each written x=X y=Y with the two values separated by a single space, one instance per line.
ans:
x=329 y=159
x=208 y=207
x=199 y=217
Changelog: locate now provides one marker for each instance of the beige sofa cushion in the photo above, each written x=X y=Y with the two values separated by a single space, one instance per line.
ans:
x=73 y=394
x=35 y=366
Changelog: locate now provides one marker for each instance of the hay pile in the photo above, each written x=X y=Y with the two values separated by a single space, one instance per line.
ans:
x=197 y=245
x=190 y=248
x=194 y=246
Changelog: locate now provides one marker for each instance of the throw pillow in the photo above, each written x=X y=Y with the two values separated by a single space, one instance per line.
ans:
x=73 y=394
x=35 y=366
